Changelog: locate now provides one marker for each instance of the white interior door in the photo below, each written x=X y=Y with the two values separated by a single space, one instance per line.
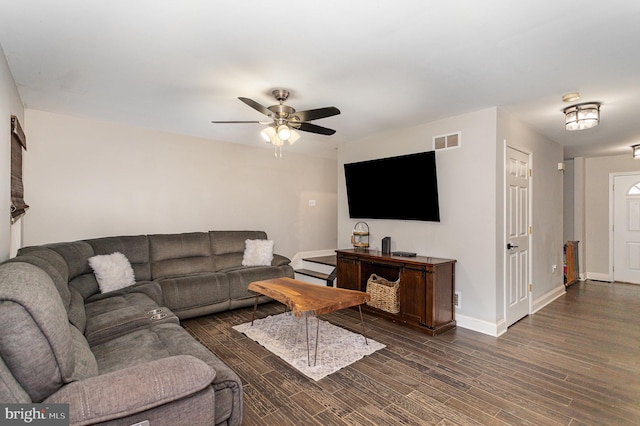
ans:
x=517 y=280
x=626 y=228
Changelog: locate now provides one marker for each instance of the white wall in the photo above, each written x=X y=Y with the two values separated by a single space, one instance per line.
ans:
x=596 y=218
x=547 y=213
x=466 y=186
x=10 y=104
x=470 y=185
x=88 y=179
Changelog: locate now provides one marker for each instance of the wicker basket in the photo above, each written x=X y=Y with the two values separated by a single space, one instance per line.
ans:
x=384 y=294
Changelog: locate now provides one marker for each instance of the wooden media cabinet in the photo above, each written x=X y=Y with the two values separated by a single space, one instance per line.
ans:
x=426 y=286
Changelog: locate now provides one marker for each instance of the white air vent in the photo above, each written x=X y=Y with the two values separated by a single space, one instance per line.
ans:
x=449 y=141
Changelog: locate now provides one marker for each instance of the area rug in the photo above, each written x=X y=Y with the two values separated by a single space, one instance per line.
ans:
x=285 y=335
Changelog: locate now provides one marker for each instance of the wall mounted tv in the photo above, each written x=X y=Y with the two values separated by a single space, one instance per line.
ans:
x=403 y=187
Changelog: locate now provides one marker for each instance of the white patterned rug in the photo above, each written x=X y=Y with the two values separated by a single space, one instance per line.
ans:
x=285 y=335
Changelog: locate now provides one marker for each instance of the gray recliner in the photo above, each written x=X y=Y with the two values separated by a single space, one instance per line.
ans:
x=45 y=358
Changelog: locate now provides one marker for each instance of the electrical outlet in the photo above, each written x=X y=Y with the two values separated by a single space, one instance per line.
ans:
x=553 y=268
x=457 y=300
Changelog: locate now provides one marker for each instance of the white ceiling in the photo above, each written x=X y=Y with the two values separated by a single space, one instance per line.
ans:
x=176 y=65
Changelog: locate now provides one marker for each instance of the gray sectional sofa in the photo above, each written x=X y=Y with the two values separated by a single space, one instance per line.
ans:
x=121 y=357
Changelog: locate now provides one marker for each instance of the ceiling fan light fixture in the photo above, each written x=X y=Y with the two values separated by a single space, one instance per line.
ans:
x=582 y=116
x=284 y=132
x=294 y=137
x=268 y=134
x=277 y=143
x=285 y=121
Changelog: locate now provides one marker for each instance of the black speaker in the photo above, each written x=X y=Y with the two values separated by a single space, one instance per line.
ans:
x=386 y=245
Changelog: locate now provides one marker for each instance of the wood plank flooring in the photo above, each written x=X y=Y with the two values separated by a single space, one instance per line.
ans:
x=575 y=362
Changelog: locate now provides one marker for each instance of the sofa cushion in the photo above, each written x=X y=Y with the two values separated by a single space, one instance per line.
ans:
x=11 y=392
x=61 y=281
x=169 y=391
x=101 y=306
x=119 y=322
x=150 y=289
x=240 y=278
x=85 y=362
x=56 y=267
x=76 y=312
x=166 y=340
x=113 y=271
x=174 y=255
x=193 y=291
x=227 y=247
x=135 y=248
x=37 y=342
x=85 y=284
x=280 y=260
x=51 y=256
x=76 y=254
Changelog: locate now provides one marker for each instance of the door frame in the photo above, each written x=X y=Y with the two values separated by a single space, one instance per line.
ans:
x=612 y=178
x=505 y=231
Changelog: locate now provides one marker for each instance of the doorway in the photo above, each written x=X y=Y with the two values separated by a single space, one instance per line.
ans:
x=517 y=235
x=624 y=250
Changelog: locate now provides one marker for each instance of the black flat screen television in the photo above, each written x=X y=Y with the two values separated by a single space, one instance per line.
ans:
x=403 y=187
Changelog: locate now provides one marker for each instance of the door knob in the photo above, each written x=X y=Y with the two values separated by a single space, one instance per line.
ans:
x=510 y=246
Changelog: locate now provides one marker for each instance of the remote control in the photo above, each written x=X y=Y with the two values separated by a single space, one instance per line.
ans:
x=404 y=253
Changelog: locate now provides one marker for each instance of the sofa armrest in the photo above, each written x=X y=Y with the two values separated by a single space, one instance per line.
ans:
x=279 y=260
x=135 y=389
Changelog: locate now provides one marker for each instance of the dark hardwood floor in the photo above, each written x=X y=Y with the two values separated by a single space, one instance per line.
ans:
x=575 y=362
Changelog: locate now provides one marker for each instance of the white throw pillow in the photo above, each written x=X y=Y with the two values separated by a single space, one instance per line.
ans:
x=113 y=271
x=257 y=253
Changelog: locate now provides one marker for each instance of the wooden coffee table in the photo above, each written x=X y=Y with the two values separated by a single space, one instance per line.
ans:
x=304 y=299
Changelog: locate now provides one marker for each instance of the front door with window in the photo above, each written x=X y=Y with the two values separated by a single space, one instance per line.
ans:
x=626 y=228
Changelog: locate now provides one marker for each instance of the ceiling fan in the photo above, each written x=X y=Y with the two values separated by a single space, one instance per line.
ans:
x=285 y=120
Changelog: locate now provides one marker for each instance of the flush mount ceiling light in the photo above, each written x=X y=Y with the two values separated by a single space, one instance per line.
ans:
x=636 y=151
x=582 y=116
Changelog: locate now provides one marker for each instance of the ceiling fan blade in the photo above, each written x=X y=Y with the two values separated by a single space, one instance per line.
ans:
x=315 y=114
x=253 y=104
x=313 y=128
x=237 y=122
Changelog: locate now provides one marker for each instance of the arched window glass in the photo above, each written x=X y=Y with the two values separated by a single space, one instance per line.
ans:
x=634 y=190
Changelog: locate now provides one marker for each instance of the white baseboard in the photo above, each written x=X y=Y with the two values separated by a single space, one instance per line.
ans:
x=481 y=326
x=547 y=298
x=597 y=276
x=499 y=328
